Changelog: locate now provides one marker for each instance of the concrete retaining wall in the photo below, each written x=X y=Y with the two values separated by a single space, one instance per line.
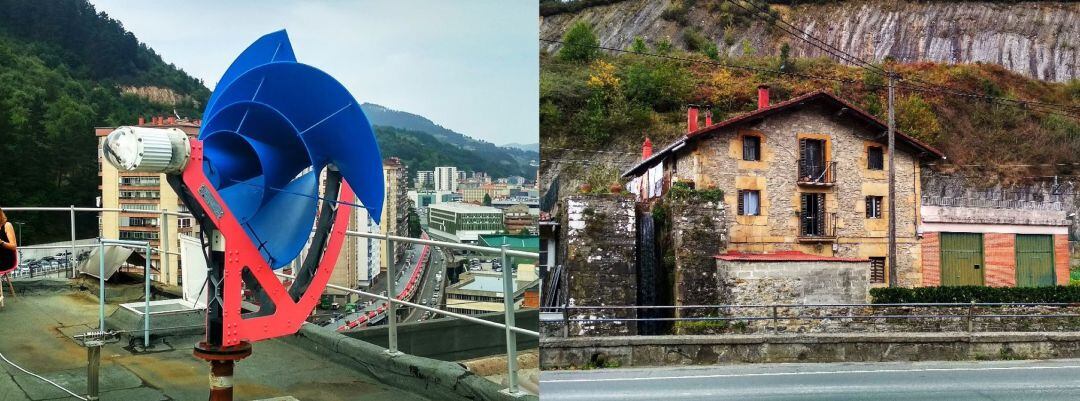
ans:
x=436 y=380
x=560 y=353
x=453 y=339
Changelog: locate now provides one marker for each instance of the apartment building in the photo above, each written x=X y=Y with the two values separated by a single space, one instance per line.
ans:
x=141 y=196
x=446 y=179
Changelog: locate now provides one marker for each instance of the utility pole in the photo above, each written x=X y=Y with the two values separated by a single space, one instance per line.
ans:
x=891 y=260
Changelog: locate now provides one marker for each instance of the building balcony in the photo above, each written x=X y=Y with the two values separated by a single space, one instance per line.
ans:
x=816 y=174
x=819 y=227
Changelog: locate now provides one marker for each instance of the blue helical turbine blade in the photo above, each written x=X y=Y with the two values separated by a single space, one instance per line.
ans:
x=270 y=128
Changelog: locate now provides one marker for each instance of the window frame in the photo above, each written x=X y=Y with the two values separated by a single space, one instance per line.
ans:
x=874 y=203
x=742 y=197
x=883 y=266
x=870 y=161
x=756 y=148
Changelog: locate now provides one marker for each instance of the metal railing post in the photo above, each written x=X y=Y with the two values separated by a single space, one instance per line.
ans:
x=165 y=245
x=508 y=311
x=391 y=307
x=775 y=320
x=146 y=309
x=101 y=284
x=970 y=315
x=71 y=259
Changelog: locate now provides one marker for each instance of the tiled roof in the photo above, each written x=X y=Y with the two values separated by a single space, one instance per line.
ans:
x=819 y=95
x=783 y=256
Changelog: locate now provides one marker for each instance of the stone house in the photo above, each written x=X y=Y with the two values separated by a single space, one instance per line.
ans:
x=808 y=174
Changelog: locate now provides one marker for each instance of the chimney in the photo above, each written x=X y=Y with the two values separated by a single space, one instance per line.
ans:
x=691 y=119
x=171 y=120
x=708 y=117
x=646 y=149
x=142 y=120
x=762 y=96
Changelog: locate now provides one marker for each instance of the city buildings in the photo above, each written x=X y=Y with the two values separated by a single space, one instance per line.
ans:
x=520 y=217
x=141 y=195
x=425 y=180
x=463 y=222
x=446 y=179
x=481 y=292
x=395 y=211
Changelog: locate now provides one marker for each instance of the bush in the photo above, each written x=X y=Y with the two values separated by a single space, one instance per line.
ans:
x=580 y=43
x=980 y=294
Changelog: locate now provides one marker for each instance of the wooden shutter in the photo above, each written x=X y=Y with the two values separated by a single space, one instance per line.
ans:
x=820 y=213
x=803 y=161
x=741 y=203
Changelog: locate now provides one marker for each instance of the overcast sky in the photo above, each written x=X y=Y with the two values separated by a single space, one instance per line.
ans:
x=471 y=66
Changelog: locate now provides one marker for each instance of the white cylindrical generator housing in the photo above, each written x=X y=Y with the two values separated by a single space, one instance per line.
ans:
x=152 y=150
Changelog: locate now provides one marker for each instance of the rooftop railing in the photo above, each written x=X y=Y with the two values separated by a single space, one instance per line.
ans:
x=510 y=326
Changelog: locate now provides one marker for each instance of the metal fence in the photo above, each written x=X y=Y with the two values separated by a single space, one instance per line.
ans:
x=771 y=317
x=505 y=253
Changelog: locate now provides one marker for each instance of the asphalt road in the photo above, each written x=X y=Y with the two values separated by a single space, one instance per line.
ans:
x=428 y=283
x=959 y=381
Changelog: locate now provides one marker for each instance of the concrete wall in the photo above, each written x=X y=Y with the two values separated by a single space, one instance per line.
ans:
x=453 y=339
x=717 y=162
x=753 y=283
x=562 y=353
x=600 y=264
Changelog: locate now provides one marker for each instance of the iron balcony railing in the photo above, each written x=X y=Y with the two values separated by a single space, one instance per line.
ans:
x=816 y=173
x=817 y=227
x=510 y=326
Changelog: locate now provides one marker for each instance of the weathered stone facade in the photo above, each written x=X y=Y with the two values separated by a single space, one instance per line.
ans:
x=600 y=264
x=716 y=162
x=788 y=282
x=698 y=235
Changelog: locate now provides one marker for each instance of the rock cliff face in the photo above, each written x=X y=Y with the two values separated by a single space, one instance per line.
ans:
x=1037 y=39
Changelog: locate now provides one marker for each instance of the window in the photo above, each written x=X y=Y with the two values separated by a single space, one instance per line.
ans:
x=749 y=203
x=873 y=207
x=875 y=158
x=751 y=148
x=877 y=270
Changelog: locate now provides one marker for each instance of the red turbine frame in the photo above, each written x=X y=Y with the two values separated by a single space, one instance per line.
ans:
x=241 y=253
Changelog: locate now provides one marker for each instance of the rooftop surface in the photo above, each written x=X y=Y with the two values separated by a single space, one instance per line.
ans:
x=35 y=330
x=520 y=242
x=459 y=207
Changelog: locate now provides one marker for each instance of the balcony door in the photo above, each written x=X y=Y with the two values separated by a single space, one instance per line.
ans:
x=812 y=221
x=812 y=160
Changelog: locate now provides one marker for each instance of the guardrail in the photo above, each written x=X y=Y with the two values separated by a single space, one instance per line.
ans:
x=771 y=314
x=509 y=325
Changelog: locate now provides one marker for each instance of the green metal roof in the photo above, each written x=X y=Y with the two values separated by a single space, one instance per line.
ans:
x=517 y=242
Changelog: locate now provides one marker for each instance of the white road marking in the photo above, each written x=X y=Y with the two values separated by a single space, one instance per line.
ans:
x=730 y=375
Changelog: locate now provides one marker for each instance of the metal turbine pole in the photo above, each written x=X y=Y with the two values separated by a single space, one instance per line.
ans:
x=892 y=188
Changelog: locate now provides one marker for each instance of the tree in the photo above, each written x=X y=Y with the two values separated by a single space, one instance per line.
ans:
x=580 y=43
x=524 y=231
x=487 y=200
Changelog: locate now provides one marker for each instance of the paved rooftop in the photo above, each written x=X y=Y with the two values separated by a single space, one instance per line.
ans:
x=34 y=330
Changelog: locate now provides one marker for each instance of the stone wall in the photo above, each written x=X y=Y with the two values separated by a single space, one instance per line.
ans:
x=818 y=282
x=600 y=260
x=564 y=353
x=718 y=163
x=698 y=234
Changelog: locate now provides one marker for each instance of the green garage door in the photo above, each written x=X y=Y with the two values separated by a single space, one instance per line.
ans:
x=961 y=259
x=1034 y=260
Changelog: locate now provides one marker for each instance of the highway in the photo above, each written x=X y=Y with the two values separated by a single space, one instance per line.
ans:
x=428 y=284
x=956 y=381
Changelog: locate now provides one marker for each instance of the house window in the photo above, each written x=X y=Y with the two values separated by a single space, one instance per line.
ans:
x=875 y=158
x=749 y=202
x=873 y=207
x=877 y=270
x=751 y=148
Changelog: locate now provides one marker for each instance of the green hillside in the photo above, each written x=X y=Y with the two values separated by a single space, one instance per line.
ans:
x=62 y=66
